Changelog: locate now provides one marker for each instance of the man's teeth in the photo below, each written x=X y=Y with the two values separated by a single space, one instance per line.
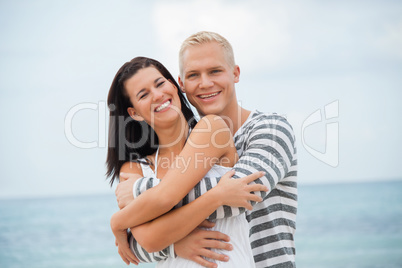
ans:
x=210 y=95
x=163 y=106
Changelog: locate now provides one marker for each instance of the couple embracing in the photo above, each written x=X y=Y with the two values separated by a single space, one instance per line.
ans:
x=220 y=192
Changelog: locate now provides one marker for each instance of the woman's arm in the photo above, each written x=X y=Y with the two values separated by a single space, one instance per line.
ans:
x=207 y=143
x=175 y=225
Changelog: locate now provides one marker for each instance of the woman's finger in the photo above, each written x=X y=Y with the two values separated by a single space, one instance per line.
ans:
x=229 y=174
x=123 y=257
x=255 y=198
x=257 y=188
x=254 y=176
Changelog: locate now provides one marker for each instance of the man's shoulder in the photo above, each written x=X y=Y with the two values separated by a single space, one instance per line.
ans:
x=257 y=118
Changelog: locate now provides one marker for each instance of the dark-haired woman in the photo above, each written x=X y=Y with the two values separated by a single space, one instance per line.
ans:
x=150 y=123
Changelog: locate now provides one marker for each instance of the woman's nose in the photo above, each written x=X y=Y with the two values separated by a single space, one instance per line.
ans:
x=157 y=94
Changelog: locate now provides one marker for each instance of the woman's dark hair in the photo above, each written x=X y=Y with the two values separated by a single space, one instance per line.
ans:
x=130 y=140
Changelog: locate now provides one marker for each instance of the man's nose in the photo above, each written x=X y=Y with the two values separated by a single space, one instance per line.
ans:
x=206 y=81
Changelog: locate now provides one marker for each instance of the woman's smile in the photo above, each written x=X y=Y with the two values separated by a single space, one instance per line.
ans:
x=164 y=106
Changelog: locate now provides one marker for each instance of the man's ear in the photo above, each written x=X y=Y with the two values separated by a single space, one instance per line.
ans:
x=181 y=84
x=134 y=115
x=236 y=72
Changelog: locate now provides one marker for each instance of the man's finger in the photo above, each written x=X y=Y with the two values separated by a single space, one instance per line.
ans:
x=204 y=263
x=207 y=224
x=214 y=235
x=216 y=244
x=207 y=253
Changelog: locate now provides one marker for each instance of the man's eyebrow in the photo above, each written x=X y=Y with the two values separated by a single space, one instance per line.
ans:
x=211 y=68
x=216 y=67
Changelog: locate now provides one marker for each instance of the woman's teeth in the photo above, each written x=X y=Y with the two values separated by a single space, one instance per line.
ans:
x=163 y=106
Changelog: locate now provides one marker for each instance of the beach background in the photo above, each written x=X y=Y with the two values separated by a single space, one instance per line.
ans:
x=333 y=68
x=355 y=225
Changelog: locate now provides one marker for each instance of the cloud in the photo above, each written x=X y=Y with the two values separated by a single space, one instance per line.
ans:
x=391 y=40
x=258 y=34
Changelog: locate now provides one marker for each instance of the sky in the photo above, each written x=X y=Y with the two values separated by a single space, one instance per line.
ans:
x=333 y=68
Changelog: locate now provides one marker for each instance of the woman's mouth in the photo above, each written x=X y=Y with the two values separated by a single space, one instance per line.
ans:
x=163 y=106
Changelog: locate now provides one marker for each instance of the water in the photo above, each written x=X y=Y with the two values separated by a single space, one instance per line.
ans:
x=350 y=225
x=343 y=225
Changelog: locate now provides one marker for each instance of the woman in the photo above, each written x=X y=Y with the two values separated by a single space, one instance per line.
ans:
x=157 y=142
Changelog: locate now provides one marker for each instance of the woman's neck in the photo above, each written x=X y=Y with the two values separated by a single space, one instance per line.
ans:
x=172 y=138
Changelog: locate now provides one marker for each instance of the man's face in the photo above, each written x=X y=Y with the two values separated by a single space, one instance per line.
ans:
x=208 y=80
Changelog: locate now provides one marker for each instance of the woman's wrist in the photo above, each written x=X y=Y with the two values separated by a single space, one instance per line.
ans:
x=215 y=196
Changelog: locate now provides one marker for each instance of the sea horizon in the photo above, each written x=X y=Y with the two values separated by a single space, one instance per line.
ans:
x=354 y=224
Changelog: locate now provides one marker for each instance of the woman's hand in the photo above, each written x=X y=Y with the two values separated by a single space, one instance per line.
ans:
x=123 y=247
x=237 y=192
x=124 y=190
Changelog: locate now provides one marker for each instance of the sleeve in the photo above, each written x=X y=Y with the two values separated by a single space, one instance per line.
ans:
x=140 y=186
x=268 y=145
x=146 y=257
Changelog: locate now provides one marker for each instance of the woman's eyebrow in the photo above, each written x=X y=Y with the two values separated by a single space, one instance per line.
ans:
x=157 y=79
x=140 y=92
x=155 y=82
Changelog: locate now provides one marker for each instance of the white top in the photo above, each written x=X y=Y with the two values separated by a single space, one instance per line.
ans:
x=236 y=228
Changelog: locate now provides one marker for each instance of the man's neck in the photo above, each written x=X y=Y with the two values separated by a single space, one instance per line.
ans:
x=235 y=118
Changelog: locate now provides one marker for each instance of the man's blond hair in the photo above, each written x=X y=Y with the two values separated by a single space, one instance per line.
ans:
x=205 y=37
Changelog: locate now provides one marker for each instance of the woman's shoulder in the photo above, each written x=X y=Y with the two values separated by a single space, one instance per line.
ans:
x=211 y=122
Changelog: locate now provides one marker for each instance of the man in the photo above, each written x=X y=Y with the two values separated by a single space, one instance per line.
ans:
x=264 y=143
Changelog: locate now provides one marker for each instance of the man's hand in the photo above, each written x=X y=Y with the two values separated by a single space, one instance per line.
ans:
x=124 y=190
x=198 y=244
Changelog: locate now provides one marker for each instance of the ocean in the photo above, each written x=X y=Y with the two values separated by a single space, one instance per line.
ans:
x=355 y=225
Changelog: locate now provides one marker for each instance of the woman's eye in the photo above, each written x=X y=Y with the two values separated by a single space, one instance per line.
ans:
x=143 y=95
x=160 y=84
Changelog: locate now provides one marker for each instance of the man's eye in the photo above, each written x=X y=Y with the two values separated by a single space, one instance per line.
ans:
x=191 y=75
x=215 y=71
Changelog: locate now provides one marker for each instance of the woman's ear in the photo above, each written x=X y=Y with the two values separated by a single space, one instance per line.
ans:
x=134 y=115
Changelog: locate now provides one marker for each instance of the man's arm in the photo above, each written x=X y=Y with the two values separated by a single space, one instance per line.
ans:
x=268 y=147
x=161 y=232
x=175 y=225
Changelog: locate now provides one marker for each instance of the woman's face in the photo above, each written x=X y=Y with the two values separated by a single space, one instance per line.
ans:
x=154 y=98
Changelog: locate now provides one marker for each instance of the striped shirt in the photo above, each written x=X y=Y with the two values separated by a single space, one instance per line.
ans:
x=265 y=142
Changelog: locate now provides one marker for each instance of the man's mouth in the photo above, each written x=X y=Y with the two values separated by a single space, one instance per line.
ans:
x=208 y=96
x=163 y=106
